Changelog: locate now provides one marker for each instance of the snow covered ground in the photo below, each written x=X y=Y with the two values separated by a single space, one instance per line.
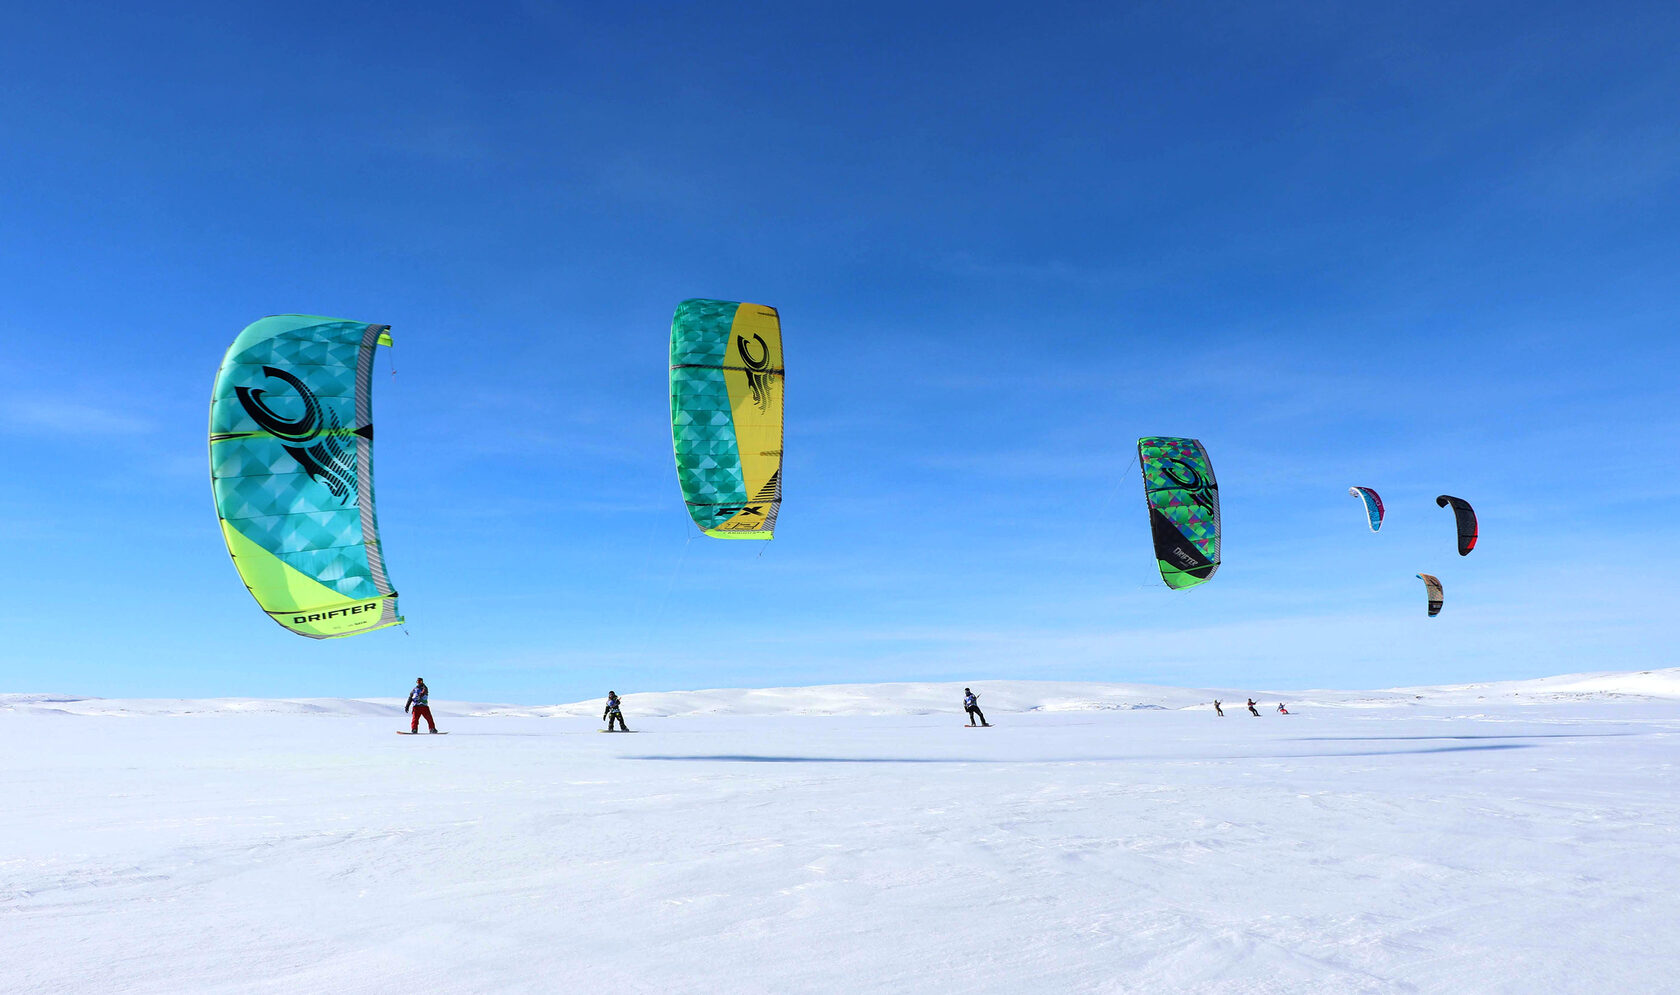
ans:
x=1513 y=837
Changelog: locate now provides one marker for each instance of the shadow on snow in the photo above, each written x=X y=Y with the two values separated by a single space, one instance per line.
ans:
x=1534 y=735
x=750 y=758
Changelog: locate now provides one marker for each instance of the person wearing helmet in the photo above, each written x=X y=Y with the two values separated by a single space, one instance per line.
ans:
x=417 y=706
x=971 y=705
x=612 y=714
x=1252 y=710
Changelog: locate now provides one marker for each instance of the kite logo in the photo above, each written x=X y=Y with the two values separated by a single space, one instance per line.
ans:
x=335 y=613
x=758 y=370
x=754 y=522
x=326 y=460
x=1200 y=492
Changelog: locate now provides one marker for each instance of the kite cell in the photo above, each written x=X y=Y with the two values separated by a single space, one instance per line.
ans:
x=1432 y=584
x=726 y=415
x=1466 y=521
x=1373 y=505
x=1183 y=498
x=291 y=468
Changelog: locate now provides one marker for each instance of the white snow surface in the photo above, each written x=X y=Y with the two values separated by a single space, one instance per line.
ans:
x=896 y=699
x=1501 y=837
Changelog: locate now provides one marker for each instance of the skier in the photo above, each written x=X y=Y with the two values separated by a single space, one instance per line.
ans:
x=1252 y=710
x=612 y=714
x=1216 y=708
x=417 y=699
x=1282 y=710
x=971 y=705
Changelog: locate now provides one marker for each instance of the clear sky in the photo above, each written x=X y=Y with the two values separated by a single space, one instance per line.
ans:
x=1425 y=248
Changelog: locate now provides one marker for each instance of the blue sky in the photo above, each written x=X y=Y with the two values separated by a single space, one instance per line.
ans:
x=1425 y=249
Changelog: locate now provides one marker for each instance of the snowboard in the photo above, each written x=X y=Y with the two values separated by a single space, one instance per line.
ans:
x=618 y=730
x=986 y=726
x=405 y=732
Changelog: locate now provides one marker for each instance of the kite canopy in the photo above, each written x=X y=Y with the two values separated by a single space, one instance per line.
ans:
x=726 y=415
x=1373 y=505
x=1432 y=584
x=1183 y=500
x=291 y=469
x=1466 y=521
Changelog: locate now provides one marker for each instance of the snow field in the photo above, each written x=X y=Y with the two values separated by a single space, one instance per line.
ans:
x=1523 y=843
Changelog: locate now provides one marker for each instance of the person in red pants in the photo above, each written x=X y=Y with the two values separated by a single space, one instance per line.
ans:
x=417 y=706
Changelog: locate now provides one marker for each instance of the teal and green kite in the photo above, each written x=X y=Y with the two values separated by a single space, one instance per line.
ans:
x=1183 y=499
x=291 y=468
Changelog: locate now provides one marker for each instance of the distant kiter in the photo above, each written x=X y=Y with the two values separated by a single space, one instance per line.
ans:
x=1281 y=709
x=971 y=705
x=1252 y=710
x=417 y=706
x=612 y=714
x=1216 y=708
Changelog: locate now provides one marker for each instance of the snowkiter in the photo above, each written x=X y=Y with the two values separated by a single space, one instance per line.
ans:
x=971 y=705
x=1281 y=709
x=1216 y=708
x=1252 y=710
x=612 y=714
x=417 y=706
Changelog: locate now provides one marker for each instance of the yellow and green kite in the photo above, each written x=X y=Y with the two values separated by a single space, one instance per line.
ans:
x=726 y=415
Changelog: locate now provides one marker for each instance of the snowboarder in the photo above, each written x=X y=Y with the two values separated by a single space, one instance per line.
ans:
x=612 y=714
x=417 y=706
x=1252 y=710
x=1217 y=709
x=971 y=705
x=1282 y=710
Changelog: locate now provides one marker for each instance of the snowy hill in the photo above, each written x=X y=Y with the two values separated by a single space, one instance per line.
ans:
x=1003 y=697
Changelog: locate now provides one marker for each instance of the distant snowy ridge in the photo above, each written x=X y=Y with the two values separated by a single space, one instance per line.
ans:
x=1002 y=697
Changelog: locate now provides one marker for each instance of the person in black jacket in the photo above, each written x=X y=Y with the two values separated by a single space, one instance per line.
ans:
x=1252 y=710
x=612 y=714
x=1216 y=708
x=971 y=705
